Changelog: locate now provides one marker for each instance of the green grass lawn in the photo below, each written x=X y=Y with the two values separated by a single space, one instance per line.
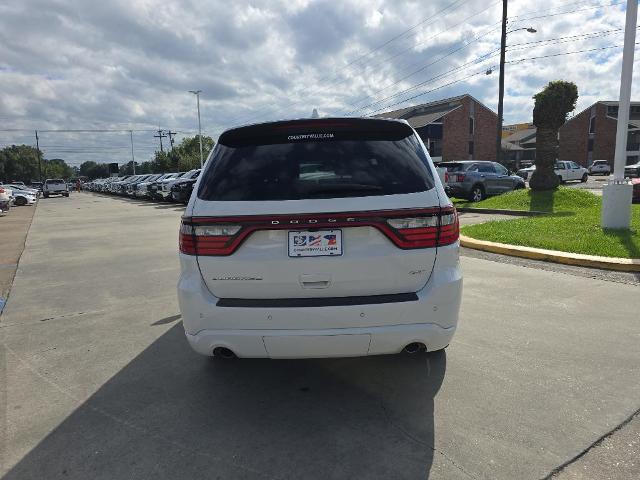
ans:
x=561 y=200
x=573 y=224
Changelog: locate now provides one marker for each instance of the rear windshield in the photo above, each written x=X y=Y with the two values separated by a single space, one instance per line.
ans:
x=54 y=182
x=455 y=167
x=318 y=165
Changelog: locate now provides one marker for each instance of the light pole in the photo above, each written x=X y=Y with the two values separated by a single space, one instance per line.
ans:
x=503 y=47
x=617 y=194
x=133 y=159
x=197 y=94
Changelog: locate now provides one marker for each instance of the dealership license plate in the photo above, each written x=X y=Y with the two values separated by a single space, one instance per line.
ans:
x=315 y=244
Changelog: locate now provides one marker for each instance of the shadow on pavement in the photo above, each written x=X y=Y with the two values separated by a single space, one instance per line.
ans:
x=173 y=414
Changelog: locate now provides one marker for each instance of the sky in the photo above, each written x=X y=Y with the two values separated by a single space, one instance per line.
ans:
x=128 y=65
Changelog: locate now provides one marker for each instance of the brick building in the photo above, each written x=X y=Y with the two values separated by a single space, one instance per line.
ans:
x=519 y=145
x=591 y=134
x=457 y=128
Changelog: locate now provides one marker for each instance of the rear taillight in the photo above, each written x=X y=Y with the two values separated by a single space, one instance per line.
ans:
x=407 y=229
x=437 y=229
x=214 y=239
x=446 y=177
x=460 y=177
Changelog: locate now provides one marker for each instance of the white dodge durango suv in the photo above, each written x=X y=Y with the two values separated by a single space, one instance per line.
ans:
x=319 y=238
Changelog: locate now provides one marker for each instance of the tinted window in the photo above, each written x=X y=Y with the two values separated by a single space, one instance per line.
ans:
x=500 y=169
x=560 y=166
x=316 y=169
x=482 y=168
x=454 y=167
x=574 y=165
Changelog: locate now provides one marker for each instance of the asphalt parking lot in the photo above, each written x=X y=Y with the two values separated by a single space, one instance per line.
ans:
x=99 y=382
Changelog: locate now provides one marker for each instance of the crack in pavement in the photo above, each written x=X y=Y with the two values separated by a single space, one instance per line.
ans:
x=596 y=443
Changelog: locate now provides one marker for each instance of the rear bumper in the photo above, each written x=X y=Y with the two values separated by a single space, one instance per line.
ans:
x=326 y=331
x=341 y=342
x=458 y=190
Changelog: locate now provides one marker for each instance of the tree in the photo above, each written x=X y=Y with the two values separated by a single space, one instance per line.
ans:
x=19 y=162
x=56 y=168
x=552 y=105
x=188 y=152
x=94 y=170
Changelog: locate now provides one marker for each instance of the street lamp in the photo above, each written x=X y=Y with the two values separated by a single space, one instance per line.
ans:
x=503 y=47
x=197 y=94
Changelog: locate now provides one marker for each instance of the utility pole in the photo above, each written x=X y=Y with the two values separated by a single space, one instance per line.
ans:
x=160 y=136
x=617 y=194
x=39 y=161
x=133 y=160
x=197 y=94
x=171 y=134
x=503 y=46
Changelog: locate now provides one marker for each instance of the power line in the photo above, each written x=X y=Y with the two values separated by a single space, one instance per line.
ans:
x=412 y=47
x=424 y=67
x=428 y=91
x=520 y=60
x=517 y=18
x=451 y=71
x=479 y=59
x=335 y=76
x=570 y=11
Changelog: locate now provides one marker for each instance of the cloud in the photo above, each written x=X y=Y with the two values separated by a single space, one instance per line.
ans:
x=129 y=64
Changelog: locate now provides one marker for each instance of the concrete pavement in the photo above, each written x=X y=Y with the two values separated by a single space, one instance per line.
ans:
x=14 y=227
x=98 y=381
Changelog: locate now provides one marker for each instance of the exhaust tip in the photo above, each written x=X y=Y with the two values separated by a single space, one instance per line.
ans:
x=223 y=352
x=415 y=348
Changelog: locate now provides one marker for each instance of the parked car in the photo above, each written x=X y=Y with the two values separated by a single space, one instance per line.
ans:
x=165 y=190
x=181 y=190
x=600 y=167
x=132 y=186
x=477 y=179
x=566 y=171
x=632 y=171
x=161 y=192
x=141 y=189
x=356 y=255
x=22 y=195
x=155 y=188
x=30 y=190
x=36 y=185
x=5 y=200
x=54 y=186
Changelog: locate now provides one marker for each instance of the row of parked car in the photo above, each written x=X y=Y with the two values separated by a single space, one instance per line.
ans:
x=173 y=187
x=18 y=194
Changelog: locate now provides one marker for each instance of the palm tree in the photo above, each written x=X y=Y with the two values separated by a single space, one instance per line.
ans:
x=552 y=106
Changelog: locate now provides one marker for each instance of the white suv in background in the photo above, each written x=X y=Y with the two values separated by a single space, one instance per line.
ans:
x=319 y=238
x=165 y=191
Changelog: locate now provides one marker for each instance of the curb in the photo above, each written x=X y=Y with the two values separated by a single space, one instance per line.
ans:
x=566 y=258
x=519 y=213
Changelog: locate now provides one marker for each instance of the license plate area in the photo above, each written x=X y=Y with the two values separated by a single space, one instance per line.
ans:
x=320 y=243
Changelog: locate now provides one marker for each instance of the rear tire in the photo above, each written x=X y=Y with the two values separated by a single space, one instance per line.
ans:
x=560 y=179
x=477 y=193
x=45 y=195
x=584 y=178
x=21 y=201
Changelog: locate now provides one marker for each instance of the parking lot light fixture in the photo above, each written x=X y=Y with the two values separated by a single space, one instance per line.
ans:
x=197 y=94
